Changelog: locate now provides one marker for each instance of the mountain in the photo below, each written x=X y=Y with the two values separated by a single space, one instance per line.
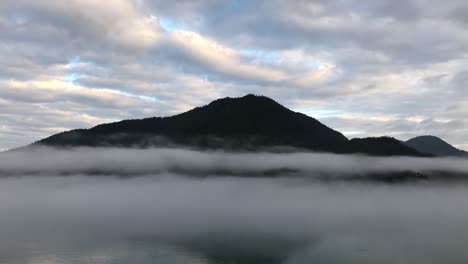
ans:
x=245 y=123
x=385 y=146
x=249 y=121
x=435 y=146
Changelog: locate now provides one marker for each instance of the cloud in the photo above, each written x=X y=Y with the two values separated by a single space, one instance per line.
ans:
x=121 y=24
x=219 y=58
x=404 y=60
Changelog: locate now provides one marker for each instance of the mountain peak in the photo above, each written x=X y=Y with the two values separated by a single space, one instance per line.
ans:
x=427 y=137
x=253 y=102
x=434 y=145
x=251 y=122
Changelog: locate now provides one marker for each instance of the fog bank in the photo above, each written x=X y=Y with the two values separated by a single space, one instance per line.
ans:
x=134 y=162
x=218 y=208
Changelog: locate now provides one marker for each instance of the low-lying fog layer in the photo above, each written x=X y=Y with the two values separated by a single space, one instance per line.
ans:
x=135 y=162
x=164 y=217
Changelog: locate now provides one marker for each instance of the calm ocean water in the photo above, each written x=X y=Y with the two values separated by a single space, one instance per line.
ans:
x=108 y=220
x=110 y=252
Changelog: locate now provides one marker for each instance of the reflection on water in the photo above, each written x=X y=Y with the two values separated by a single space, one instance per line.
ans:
x=126 y=251
x=108 y=220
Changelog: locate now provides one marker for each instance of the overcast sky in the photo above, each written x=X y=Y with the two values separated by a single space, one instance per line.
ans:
x=366 y=68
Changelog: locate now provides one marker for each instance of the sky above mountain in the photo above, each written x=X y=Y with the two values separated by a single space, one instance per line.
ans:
x=365 y=68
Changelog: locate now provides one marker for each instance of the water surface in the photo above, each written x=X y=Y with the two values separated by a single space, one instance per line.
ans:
x=176 y=219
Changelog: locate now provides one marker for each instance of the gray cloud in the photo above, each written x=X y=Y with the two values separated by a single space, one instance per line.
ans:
x=134 y=59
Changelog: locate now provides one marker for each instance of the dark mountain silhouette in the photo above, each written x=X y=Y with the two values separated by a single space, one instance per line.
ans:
x=246 y=123
x=385 y=146
x=435 y=146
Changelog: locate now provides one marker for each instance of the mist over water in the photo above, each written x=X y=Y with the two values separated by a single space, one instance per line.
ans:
x=169 y=216
x=137 y=162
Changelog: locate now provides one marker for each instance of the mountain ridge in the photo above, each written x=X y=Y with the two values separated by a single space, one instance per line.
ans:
x=250 y=122
x=435 y=146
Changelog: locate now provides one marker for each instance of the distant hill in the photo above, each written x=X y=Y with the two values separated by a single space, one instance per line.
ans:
x=435 y=146
x=386 y=146
x=246 y=123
